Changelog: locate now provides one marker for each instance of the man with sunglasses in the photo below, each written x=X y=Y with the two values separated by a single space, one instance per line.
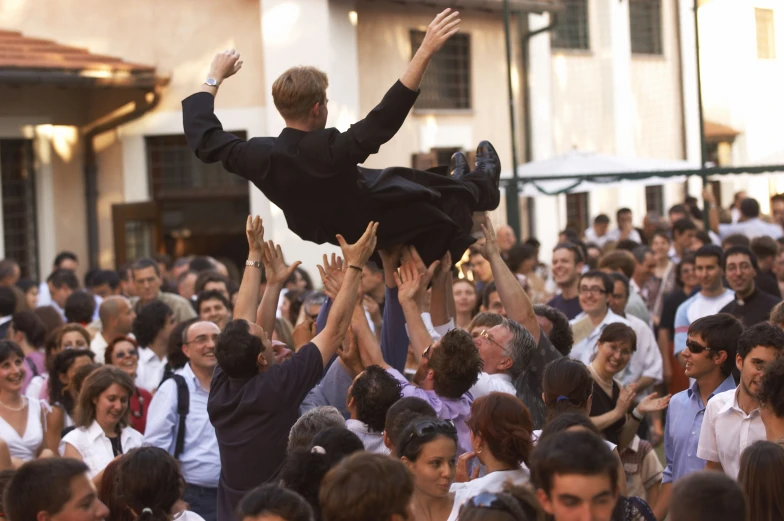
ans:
x=198 y=451
x=709 y=357
x=732 y=419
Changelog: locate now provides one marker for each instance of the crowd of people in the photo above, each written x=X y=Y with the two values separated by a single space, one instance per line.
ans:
x=401 y=391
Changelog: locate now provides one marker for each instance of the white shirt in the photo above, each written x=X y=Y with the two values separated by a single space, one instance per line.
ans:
x=615 y=236
x=98 y=346
x=96 y=448
x=590 y=236
x=752 y=229
x=200 y=458
x=187 y=515
x=488 y=383
x=585 y=348
x=647 y=359
x=373 y=441
x=727 y=430
x=535 y=435
x=493 y=482
x=150 y=370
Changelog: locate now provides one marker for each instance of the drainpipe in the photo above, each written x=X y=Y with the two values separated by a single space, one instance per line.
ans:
x=512 y=190
x=91 y=167
x=526 y=35
x=703 y=146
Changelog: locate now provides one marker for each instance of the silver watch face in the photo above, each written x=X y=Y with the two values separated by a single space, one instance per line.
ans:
x=212 y=82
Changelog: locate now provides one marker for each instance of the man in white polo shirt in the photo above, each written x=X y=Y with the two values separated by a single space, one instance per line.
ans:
x=732 y=419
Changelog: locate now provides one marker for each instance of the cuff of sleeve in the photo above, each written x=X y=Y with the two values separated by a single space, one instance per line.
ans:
x=401 y=90
x=707 y=455
x=446 y=328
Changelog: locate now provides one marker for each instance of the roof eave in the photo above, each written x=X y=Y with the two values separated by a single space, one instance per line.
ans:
x=81 y=78
x=532 y=6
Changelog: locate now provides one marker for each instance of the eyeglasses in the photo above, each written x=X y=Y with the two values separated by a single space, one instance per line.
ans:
x=484 y=334
x=596 y=291
x=696 y=348
x=119 y=355
x=488 y=500
x=425 y=427
x=202 y=339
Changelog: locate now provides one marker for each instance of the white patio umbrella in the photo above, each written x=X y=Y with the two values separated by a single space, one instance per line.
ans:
x=574 y=164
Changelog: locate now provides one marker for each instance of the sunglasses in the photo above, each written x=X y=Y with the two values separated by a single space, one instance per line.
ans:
x=120 y=355
x=696 y=348
x=426 y=427
x=426 y=352
x=488 y=500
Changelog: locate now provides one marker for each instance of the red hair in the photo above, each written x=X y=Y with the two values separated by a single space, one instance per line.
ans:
x=107 y=356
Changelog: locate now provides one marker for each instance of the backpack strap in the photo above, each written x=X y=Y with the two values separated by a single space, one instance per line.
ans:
x=183 y=407
x=32 y=366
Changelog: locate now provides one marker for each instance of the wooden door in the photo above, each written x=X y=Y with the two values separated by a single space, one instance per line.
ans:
x=137 y=231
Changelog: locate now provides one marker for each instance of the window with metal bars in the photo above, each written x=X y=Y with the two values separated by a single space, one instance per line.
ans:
x=577 y=211
x=766 y=36
x=654 y=199
x=571 y=31
x=645 y=26
x=19 y=208
x=447 y=84
x=175 y=172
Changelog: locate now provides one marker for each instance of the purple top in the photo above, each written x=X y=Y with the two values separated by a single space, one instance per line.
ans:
x=446 y=409
x=34 y=364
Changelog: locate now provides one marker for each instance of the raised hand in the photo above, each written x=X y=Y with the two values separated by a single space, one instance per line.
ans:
x=277 y=271
x=332 y=274
x=254 y=231
x=461 y=472
x=225 y=64
x=442 y=28
x=349 y=353
x=427 y=272
x=444 y=267
x=490 y=246
x=357 y=254
x=304 y=332
x=651 y=403
x=409 y=282
x=626 y=398
x=391 y=256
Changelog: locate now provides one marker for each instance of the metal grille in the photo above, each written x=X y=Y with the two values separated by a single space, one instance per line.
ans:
x=571 y=32
x=654 y=199
x=766 y=39
x=175 y=171
x=447 y=84
x=577 y=211
x=19 y=208
x=645 y=26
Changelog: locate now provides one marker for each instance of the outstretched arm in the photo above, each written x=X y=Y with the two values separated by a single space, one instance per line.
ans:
x=277 y=274
x=356 y=255
x=248 y=296
x=442 y=28
x=516 y=302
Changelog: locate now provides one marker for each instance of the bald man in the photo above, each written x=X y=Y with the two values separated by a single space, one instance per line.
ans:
x=117 y=316
x=506 y=239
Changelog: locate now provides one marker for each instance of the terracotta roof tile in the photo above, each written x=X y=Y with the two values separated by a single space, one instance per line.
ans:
x=22 y=52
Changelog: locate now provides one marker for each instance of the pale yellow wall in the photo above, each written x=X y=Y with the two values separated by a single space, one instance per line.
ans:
x=384 y=51
x=658 y=111
x=110 y=191
x=179 y=37
x=69 y=202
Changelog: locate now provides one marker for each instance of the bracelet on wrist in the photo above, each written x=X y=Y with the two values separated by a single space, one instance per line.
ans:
x=637 y=416
x=254 y=264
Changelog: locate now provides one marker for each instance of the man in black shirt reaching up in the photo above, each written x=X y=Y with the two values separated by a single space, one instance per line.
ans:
x=254 y=401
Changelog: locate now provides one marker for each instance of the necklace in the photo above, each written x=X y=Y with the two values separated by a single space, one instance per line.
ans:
x=15 y=409
x=600 y=379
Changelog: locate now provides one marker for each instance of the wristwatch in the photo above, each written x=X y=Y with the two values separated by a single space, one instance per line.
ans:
x=212 y=82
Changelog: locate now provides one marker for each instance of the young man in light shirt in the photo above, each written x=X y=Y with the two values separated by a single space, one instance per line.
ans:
x=732 y=419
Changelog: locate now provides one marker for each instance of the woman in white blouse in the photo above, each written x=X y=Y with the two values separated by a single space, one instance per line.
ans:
x=102 y=417
x=22 y=419
x=500 y=426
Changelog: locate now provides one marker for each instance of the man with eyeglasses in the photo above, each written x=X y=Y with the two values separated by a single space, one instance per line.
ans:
x=594 y=290
x=196 y=448
x=732 y=419
x=708 y=263
x=709 y=357
x=751 y=305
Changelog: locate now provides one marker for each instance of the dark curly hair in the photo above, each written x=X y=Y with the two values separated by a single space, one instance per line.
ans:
x=237 y=350
x=456 y=364
x=150 y=320
x=561 y=336
x=79 y=307
x=305 y=468
x=504 y=423
x=762 y=334
x=771 y=393
x=374 y=392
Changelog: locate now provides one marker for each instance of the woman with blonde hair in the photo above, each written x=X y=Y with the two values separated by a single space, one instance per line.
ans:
x=102 y=421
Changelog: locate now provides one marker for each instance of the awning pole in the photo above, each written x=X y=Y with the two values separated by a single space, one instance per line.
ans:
x=703 y=146
x=512 y=189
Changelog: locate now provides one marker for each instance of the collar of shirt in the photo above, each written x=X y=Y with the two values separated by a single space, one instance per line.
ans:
x=694 y=391
x=5 y=319
x=147 y=356
x=358 y=426
x=187 y=372
x=95 y=432
x=500 y=376
x=732 y=405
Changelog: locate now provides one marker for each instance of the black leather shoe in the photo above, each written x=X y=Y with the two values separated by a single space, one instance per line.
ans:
x=487 y=161
x=458 y=166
